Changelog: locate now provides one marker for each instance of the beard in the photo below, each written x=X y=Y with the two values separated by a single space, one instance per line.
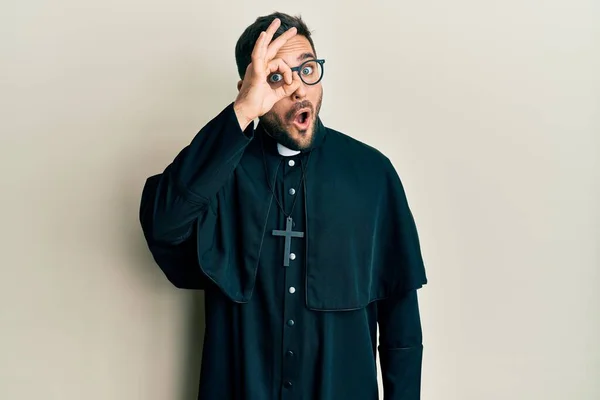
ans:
x=275 y=125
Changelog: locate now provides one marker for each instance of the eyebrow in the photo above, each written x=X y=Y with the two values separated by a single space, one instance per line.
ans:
x=304 y=56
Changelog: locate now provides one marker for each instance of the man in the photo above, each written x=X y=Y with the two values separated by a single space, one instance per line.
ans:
x=300 y=236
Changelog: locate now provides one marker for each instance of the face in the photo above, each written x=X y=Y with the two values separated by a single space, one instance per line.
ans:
x=283 y=122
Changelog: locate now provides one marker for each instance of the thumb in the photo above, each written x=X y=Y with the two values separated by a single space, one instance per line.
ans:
x=292 y=87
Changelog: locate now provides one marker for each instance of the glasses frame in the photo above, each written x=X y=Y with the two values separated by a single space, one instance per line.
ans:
x=319 y=61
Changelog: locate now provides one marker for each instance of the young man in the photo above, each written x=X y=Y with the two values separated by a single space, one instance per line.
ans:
x=300 y=236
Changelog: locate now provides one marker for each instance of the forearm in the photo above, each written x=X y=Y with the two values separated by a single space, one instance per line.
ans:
x=401 y=347
x=178 y=196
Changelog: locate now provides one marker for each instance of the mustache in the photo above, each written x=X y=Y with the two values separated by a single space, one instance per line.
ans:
x=297 y=107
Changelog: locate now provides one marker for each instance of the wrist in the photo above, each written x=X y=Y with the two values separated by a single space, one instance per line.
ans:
x=242 y=118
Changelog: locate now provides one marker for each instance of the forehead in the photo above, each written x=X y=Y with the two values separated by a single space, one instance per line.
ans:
x=295 y=50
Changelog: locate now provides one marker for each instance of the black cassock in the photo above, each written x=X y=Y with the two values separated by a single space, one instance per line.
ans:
x=306 y=330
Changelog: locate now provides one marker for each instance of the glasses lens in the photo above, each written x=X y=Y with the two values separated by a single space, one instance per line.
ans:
x=311 y=72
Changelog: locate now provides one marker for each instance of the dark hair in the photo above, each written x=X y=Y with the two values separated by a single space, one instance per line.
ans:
x=245 y=44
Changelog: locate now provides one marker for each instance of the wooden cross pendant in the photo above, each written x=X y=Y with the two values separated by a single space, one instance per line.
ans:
x=289 y=234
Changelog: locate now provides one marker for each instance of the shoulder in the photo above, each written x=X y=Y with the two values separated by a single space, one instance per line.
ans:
x=350 y=149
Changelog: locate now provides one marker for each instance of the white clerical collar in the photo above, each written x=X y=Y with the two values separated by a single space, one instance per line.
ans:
x=284 y=151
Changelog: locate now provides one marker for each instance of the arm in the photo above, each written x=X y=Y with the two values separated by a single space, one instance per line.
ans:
x=400 y=346
x=174 y=201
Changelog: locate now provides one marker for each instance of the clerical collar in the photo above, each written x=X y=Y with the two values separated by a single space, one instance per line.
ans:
x=273 y=147
x=284 y=151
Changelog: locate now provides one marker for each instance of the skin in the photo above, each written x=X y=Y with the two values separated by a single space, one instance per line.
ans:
x=276 y=104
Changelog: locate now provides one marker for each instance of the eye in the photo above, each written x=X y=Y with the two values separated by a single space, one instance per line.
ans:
x=275 y=78
x=307 y=70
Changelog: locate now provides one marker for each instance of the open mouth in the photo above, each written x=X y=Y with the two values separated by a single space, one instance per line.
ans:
x=302 y=119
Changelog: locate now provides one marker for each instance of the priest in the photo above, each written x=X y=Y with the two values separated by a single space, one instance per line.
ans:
x=300 y=236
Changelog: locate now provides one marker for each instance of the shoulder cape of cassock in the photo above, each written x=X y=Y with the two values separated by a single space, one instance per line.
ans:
x=361 y=240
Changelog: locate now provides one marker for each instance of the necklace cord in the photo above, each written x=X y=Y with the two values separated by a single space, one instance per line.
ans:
x=302 y=178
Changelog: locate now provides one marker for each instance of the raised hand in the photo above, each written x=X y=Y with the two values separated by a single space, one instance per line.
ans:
x=257 y=95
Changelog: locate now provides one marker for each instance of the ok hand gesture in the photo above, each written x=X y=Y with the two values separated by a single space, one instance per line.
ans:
x=257 y=96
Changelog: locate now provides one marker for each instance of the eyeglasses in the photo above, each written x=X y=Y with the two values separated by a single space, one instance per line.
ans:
x=310 y=72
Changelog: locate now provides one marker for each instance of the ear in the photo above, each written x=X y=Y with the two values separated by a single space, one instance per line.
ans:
x=239 y=85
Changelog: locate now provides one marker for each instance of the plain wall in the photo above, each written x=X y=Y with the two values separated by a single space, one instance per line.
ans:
x=490 y=110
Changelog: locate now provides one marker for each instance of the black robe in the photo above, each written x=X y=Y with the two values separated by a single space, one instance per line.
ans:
x=308 y=330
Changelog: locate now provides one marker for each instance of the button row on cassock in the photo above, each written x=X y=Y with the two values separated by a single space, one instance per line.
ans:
x=288 y=384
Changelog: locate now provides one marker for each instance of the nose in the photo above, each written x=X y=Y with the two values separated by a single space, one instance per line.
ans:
x=300 y=93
